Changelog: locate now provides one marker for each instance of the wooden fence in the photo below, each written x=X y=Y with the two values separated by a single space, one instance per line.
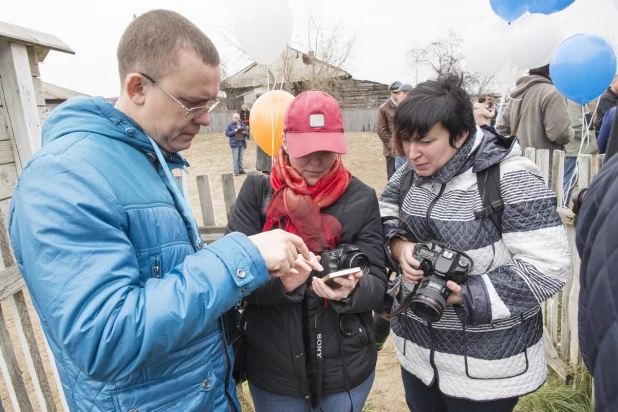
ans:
x=354 y=120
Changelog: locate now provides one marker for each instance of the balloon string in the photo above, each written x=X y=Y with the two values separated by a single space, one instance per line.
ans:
x=586 y=135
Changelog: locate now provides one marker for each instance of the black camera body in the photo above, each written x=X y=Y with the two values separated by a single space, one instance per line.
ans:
x=439 y=264
x=344 y=256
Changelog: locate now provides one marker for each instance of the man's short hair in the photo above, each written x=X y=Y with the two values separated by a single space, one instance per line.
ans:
x=442 y=101
x=151 y=44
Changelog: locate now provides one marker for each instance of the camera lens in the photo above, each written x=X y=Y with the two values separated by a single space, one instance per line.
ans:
x=430 y=299
x=356 y=259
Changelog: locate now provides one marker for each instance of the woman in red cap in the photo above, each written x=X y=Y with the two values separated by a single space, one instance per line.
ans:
x=310 y=343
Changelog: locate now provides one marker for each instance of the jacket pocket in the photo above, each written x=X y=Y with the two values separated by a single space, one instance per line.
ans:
x=496 y=351
x=191 y=390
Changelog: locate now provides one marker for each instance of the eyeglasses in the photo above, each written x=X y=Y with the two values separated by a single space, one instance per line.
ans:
x=192 y=113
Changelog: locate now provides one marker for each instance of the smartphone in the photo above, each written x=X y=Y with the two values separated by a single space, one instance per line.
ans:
x=344 y=272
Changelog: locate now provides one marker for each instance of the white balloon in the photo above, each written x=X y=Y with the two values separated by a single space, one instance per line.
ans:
x=533 y=41
x=509 y=74
x=487 y=50
x=615 y=4
x=263 y=28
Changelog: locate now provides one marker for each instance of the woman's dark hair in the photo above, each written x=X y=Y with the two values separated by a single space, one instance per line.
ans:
x=482 y=99
x=443 y=101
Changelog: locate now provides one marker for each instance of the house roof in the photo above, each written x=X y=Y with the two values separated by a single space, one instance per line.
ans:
x=293 y=65
x=53 y=92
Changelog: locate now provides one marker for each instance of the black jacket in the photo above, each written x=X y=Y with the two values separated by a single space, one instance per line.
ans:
x=607 y=100
x=597 y=244
x=281 y=355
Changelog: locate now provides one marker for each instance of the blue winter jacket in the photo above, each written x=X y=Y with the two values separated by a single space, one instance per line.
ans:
x=230 y=131
x=128 y=299
x=606 y=126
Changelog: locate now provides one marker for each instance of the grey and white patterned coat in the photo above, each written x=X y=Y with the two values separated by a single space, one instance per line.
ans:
x=491 y=347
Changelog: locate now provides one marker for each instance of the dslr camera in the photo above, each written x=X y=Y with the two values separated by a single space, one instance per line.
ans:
x=344 y=256
x=440 y=264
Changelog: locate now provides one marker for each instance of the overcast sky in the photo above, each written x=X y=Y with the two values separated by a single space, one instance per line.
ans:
x=385 y=30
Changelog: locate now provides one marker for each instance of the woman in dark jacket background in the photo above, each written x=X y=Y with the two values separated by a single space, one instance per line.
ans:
x=299 y=330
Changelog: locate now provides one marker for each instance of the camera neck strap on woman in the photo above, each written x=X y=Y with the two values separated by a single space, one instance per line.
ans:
x=295 y=206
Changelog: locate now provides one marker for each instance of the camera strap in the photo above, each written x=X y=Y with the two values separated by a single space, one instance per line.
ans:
x=488 y=181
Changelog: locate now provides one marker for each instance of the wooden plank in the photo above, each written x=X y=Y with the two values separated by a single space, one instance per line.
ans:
x=52 y=362
x=557 y=176
x=6 y=152
x=43 y=112
x=4 y=125
x=8 y=180
x=573 y=296
x=25 y=332
x=11 y=371
x=542 y=161
x=600 y=160
x=564 y=370
x=205 y=230
x=33 y=59
x=39 y=95
x=530 y=153
x=19 y=101
x=10 y=32
x=10 y=282
x=229 y=192
x=206 y=201
x=584 y=164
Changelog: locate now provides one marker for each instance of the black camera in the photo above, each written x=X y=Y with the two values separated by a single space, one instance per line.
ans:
x=439 y=264
x=345 y=256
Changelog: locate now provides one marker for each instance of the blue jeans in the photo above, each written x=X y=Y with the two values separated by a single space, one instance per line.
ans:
x=569 y=169
x=237 y=154
x=400 y=161
x=336 y=402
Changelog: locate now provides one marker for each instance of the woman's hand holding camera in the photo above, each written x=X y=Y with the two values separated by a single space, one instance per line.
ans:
x=455 y=297
x=341 y=287
x=403 y=252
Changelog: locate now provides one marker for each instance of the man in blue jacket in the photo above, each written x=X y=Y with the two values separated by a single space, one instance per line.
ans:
x=238 y=134
x=128 y=297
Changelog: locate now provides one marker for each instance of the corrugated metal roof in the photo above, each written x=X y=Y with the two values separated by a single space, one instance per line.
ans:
x=291 y=65
x=53 y=92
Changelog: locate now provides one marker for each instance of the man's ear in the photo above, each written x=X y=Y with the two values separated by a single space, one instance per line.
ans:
x=134 y=88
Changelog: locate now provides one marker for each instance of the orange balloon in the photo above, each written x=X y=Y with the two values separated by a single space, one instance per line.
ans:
x=266 y=119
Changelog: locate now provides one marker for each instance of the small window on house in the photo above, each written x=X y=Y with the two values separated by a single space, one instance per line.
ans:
x=371 y=102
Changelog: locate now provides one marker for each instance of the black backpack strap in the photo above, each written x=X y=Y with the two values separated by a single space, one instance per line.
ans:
x=488 y=181
x=406 y=184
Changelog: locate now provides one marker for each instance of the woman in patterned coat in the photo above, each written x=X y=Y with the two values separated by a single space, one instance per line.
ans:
x=487 y=349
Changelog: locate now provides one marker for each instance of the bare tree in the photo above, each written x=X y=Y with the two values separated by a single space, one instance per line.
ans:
x=444 y=56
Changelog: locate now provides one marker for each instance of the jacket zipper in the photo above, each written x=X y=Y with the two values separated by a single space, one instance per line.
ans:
x=156 y=267
x=230 y=402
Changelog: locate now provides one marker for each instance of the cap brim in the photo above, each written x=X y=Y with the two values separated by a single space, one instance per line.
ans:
x=302 y=144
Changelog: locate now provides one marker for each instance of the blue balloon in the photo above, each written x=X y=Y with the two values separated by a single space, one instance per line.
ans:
x=510 y=10
x=551 y=6
x=583 y=67
x=534 y=7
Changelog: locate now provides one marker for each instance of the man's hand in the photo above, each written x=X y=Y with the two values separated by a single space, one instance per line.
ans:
x=455 y=297
x=280 y=250
x=403 y=252
x=340 y=289
x=298 y=274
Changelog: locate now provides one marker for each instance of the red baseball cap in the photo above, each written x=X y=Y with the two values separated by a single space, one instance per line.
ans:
x=314 y=123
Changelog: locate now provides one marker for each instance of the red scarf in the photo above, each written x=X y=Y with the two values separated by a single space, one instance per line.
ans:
x=295 y=206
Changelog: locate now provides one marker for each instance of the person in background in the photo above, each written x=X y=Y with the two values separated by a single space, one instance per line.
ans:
x=384 y=125
x=492 y=108
x=237 y=133
x=403 y=92
x=310 y=345
x=244 y=116
x=573 y=148
x=604 y=132
x=129 y=297
x=608 y=99
x=482 y=116
x=537 y=113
